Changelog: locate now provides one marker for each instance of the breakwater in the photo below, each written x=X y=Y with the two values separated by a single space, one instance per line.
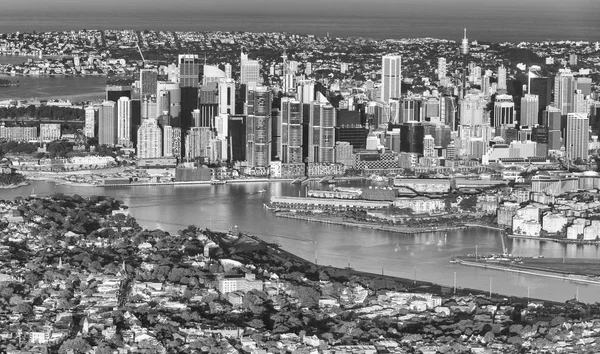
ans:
x=531 y=271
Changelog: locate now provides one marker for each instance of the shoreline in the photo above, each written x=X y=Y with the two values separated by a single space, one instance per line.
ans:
x=411 y=284
x=557 y=240
x=14 y=186
x=575 y=278
x=406 y=230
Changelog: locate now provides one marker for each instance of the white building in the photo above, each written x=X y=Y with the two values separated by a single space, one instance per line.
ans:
x=91 y=117
x=391 y=76
x=49 y=131
x=577 y=136
x=149 y=140
x=124 y=121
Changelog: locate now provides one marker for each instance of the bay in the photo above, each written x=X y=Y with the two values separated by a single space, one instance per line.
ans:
x=427 y=255
x=74 y=88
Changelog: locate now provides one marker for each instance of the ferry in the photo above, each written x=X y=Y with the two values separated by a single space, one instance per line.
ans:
x=217 y=181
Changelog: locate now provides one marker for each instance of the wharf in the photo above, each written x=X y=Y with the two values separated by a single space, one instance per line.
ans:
x=189 y=183
x=531 y=270
x=397 y=229
x=557 y=240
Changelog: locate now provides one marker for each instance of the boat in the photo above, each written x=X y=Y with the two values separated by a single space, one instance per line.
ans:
x=217 y=181
x=261 y=191
x=454 y=261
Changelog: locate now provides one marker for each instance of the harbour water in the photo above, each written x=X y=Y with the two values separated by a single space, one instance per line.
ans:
x=425 y=256
x=74 y=88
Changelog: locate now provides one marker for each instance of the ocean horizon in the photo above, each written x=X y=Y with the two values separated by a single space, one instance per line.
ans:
x=503 y=26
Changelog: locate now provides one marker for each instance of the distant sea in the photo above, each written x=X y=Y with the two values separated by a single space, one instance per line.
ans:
x=500 y=24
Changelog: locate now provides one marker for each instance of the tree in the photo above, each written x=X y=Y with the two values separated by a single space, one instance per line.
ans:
x=77 y=345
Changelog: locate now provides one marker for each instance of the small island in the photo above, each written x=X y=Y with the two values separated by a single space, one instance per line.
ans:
x=8 y=83
x=12 y=180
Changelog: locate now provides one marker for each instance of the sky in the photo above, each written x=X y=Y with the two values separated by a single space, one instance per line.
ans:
x=280 y=6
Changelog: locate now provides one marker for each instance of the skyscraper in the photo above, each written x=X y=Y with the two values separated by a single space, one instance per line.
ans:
x=107 y=124
x=541 y=86
x=227 y=96
x=502 y=78
x=258 y=127
x=148 y=82
x=564 y=88
x=529 y=110
x=504 y=111
x=321 y=136
x=149 y=107
x=149 y=140
x=442 y=71
x=577 y=136
x=391 y=77
x=291 y=131
x=249 y=71
x=91 y=117
x=237 y=137
x=124 y=122
x=197 y=143
x=169 y=99
x=472 y=110
x=190 y=76
x=113 y=92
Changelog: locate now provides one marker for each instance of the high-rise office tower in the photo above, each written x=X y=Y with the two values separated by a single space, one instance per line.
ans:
x=149 y=107
x=208 y=104
x=291 y=131
x=529 y=110
x=321 y=137
x=227 y=96
x=167 y=149
x=572 y=59
x=564 y=88
x=168 y=99
x=577 y=136
x=176 y=152
x=149 y=144
x=236 y=134
x=391 y=77
x=258 y=127
x=412 y=109
x=502 y=78
x=148 y=82
x=249 y=71
x=308 y=69
x=228 y=72
x=472 y=110
x=305 y=91
x=595 y=117
x=212 y=74
x=190 y=77
x=553 y=120
x=485 y=85
x=504 y=111
x=124 y=122
x=542 y=87
x=585 y=85
x=580 y=103
x=189 y=70
x=91 y=117
x=448 y=111
x=428 y=146
x=107 y=123
x=442 y=71
x=197 y=143
x=114 y=92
